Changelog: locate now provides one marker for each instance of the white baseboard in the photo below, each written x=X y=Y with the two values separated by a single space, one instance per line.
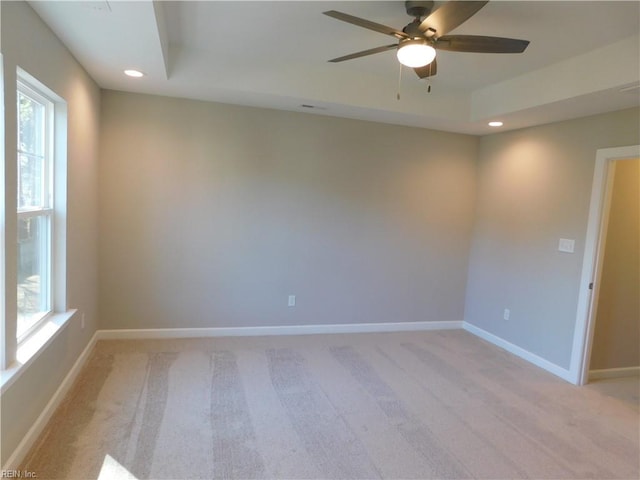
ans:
x=614 y=373
x=128 y=334
x=519 y=351
x=19 y=454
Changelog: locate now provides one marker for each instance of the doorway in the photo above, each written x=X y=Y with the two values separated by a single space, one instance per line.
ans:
x=594 y=255
x=616 y=336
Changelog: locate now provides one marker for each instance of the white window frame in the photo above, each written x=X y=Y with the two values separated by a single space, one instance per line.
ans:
x=15 y=358
x=3 y=290
x=46 y=211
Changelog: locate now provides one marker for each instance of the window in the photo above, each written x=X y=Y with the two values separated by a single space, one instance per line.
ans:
x=35 y=208
x=33 y=212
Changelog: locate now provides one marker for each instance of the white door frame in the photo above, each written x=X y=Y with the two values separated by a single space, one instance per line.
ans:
x=592 y=262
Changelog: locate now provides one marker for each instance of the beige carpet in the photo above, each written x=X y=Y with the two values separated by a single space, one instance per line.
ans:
x=406 y=405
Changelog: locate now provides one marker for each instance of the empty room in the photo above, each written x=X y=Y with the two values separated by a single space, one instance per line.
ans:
x=320 y=240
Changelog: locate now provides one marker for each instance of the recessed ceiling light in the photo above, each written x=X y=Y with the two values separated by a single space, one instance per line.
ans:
x=495 y=124
x=134 y=73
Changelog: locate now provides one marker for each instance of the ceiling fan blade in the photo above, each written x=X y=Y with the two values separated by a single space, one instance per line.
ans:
x=480 y=44
x=361 y=22
x=428 y=70
x=364 y=53
x=449 y=16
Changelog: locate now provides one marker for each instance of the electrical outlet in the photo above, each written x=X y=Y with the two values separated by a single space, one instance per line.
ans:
x=292 y=301
x=507 y=314
x=82 y=321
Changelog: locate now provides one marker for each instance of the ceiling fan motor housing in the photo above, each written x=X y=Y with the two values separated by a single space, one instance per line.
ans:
x=413 y=29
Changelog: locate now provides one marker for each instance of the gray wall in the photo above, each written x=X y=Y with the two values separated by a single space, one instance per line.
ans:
x=211 y=215
x=616 y=341
x=534 y=187
x=28 y=43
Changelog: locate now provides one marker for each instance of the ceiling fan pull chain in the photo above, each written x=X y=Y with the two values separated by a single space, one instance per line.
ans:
x=399 y=82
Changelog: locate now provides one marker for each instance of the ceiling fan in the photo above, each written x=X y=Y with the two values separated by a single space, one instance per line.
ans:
x=419 y=40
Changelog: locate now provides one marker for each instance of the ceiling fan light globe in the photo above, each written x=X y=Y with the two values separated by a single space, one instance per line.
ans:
x=415 y=54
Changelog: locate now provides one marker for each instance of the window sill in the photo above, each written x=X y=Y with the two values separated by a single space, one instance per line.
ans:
x=31 y=349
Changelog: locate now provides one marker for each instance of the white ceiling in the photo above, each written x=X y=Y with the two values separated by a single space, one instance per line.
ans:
x=274 y=54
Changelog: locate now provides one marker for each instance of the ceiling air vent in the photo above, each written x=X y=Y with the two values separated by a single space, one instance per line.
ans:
x=312 y=107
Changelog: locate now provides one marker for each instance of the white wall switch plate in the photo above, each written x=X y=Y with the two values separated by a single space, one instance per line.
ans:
x=507 y=314
x=566 y=245
x=292 y=301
